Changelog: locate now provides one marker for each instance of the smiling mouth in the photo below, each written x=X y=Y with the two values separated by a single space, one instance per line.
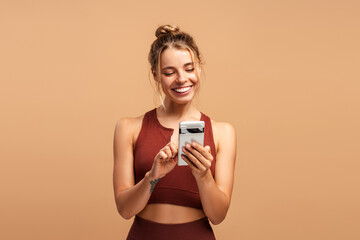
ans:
x=182 y=89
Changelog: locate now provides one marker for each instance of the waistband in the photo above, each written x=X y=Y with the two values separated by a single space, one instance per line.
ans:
x=200 y=221
x=149 y=230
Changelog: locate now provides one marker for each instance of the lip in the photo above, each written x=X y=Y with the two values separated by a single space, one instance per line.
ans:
x=182 y=93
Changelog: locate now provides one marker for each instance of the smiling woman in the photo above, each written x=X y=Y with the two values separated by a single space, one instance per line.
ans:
x=178 y=77
x=170 y=38
x=170 y=201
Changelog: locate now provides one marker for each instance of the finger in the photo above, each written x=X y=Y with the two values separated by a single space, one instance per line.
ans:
x=190 y=163
x=193 y=159
x=207 y=148
x=205 y=162
x=173 y=149
x=167 y=151
x=205 y=151
x=163 y=155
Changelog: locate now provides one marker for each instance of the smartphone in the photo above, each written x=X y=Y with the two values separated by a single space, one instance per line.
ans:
x=189 y=132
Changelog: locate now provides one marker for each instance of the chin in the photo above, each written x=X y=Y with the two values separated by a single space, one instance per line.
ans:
x=182 y=100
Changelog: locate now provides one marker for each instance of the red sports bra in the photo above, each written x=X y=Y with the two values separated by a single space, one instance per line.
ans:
x=178 y=187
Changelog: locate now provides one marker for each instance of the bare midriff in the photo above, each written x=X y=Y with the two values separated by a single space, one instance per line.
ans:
x=170 y=214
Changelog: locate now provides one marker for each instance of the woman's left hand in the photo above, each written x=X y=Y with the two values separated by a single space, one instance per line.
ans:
x=199 y=159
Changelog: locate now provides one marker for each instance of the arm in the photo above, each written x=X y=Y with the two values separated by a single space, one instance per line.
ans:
x=215 y=194
x=130 y=198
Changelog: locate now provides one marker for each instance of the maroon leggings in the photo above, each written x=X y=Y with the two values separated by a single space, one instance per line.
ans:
x=143 y=229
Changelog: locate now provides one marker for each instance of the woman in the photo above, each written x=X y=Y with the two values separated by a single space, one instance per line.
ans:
x=167 y=200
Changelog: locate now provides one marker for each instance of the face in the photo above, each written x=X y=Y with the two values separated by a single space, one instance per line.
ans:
x=177 y=75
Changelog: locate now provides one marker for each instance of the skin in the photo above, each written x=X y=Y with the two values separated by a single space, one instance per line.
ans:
x=177 y=71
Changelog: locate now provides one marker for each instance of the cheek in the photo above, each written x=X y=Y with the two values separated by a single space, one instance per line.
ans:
x=165 y=83
x=194 y=78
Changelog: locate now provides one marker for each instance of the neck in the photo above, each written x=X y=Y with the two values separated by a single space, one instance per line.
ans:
x=178 y=110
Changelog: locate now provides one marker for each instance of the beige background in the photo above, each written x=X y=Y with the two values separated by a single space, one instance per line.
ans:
x=284 y=73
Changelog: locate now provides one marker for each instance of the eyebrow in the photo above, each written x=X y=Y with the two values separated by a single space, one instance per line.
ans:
x=185 y=65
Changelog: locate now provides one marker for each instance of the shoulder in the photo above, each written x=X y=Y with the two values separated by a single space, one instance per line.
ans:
x=128 y=128
x=129 y=123
x=223 y=133
x=224 y=126
x=226 y=154
x=223 y=129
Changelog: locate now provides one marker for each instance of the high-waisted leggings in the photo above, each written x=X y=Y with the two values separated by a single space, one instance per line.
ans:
x=143 y=229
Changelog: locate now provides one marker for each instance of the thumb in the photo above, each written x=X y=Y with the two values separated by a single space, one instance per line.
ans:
x=207 y=148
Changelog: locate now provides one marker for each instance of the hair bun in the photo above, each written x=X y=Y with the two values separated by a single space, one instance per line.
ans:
x=166 y=29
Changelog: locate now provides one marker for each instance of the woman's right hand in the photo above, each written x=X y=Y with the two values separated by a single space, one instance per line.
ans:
x=164 y=161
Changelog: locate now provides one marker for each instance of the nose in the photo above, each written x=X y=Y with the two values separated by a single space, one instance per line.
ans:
x=181 y=78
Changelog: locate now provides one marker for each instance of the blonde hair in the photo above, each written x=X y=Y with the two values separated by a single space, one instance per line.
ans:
x=169 y=36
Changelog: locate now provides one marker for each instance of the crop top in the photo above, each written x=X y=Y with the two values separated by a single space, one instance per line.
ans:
x=179 y=186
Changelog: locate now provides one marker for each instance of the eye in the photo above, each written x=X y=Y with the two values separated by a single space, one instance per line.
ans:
x=190 y=69
x=168 y=73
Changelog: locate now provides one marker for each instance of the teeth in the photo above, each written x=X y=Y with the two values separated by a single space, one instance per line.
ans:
x=180 y=90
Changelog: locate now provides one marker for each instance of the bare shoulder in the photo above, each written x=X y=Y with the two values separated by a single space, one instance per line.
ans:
x=129 y=127
x=223 y=132
x=223 y=127
x=129 y=122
